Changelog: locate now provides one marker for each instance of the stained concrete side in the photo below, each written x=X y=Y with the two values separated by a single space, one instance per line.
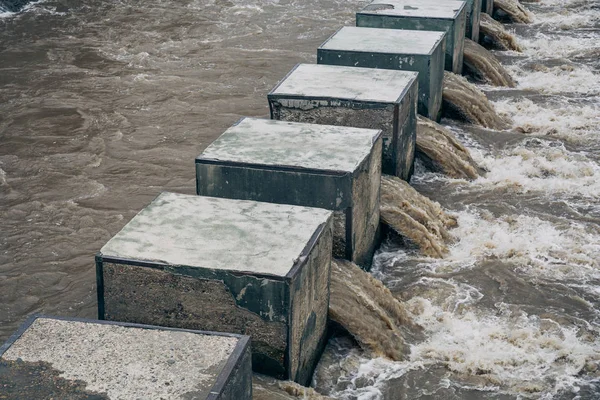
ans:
x=454 y=28
x=429 y=66
x=309 y=291
x=160 y=297
x=365 y=213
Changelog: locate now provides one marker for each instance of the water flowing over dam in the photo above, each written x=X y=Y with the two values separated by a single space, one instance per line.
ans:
x=492 y=260
x=368 y=311
x=512 y=10
x=415 y=217
x=494 y=34
x=484 y=66
x=465 y=101
x=440 y=151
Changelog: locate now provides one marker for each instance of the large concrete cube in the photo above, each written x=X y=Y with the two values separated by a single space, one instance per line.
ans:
x=423 y=15
x=225 y=265
x=420 y=51
x=66 y=358
x=358 y=97
x=332 y=167
x=487 y=6
x=473 y=9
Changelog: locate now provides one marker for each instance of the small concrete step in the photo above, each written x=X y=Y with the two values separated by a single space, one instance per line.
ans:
x=245 y=267
x=424 y=15
x=357 y=97
x=404 y=50
x=332 y=167
x=65 y=358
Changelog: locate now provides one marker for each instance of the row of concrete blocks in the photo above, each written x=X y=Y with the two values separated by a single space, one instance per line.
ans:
x=251 y=254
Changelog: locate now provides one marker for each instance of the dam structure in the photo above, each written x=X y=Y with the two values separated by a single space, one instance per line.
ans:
x=207 y=263
x=419 y=51
x=360 y=97
x=426 y=15
x=482 y=254
x=331 y=167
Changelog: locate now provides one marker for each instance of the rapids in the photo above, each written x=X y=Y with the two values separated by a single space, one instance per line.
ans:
x=512 y=10
x=465 y=101
x=415 y=217
x=366 y=309
x=484 y=66
x=440 y=151
x=494 y=34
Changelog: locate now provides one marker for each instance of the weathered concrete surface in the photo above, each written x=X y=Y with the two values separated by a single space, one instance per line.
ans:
x=242 y=270
x=487 y=6
x=301 y=164
x=473 y=9
x=419 y=51
x=76 y=359
x=358 y=97
x=424 y=15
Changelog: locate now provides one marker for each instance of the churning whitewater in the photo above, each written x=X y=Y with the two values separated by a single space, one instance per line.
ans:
x=492 y=261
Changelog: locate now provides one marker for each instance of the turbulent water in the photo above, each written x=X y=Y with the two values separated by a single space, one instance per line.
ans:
x=365 y=308
x=484 y=66
x=463 y=100
x=105 y=104
x=440 y=151
x=512 y=10
x=266 y=388
x=494 y=34
x=418 y=219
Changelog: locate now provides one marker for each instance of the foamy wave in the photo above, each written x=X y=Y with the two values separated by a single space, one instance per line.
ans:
x=560 y=79
x=543 y=249
x=567 y=19
x=541 y=166
x=549 y=46
x=569 y=121
x=510 y=349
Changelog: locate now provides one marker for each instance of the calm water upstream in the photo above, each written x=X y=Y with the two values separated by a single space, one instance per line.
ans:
x=105 y=104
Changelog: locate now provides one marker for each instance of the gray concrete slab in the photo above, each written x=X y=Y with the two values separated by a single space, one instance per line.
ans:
x=430 y=15
x=225 y=265
x=58 y=358
x=302 y=164
x=358 y=97
x=408 y=50
x=206 y=232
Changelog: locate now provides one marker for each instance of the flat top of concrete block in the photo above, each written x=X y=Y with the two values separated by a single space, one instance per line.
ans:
x=415 y=8
x=389 y=41
x=280 y=143
x=346 y=83
x=214 y=233
x=125 y=362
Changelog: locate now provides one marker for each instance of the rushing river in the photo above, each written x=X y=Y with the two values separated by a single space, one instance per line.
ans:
x=103 y=104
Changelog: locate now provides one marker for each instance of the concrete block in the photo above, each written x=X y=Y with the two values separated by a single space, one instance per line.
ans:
x=225 y=265
x=331 y=167
x=358 y=97
x=423 y=15
x=487 y=6
x=420 y=51
x=473 y=8
x=69 y=358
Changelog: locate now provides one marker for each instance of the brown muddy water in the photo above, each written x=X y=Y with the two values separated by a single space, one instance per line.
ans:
x=105 y=104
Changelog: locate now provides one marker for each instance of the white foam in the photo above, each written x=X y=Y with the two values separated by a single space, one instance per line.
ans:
x=563 y=119
x=546 y=168
x=560 y=79
x=507 y=348
x=550 y=46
